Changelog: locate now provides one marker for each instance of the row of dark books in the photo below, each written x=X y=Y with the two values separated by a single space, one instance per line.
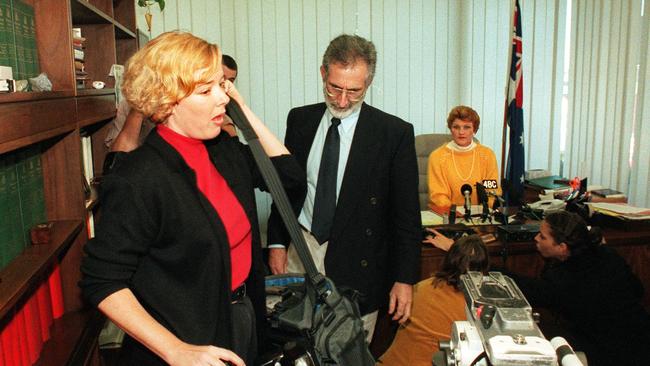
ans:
x=22 y=203
x=18 y=39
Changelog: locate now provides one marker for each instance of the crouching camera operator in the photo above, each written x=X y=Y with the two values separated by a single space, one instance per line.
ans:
x=592 y=290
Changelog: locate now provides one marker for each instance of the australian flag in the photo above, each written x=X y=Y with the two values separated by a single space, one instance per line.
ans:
x=514 y=118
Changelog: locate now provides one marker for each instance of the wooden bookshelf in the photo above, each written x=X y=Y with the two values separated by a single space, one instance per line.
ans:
x=63 y=347
x=85 y=12
x=34 y=96
x=29 y=122
x=94 y=109
x=24 y=272
x=52 y=123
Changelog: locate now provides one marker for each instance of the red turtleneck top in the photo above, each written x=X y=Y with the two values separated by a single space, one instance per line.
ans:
x=216 y=190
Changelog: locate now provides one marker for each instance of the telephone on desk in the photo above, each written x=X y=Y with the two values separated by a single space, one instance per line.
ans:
x=548 y=206
x=454 y=232
x=537 y=210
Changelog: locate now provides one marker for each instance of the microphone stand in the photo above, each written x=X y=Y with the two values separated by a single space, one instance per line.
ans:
x=501 y=201
x=504 y=244
x=466 y=190
x=481 y=192
x=504 y=215
x=468 y=213
x=486 y=213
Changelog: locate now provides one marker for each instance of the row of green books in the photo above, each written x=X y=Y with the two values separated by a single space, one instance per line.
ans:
x=22 y=203
x=18 y=47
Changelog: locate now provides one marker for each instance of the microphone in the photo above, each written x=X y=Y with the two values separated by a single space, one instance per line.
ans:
x=481 y=192
x=499 y=202
x=466 y=190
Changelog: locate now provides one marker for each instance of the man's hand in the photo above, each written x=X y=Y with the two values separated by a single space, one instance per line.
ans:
x=278 y=260
x=129 y=137
x=401 y=297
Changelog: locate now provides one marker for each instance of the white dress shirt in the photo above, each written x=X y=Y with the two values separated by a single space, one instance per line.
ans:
x=346 y=132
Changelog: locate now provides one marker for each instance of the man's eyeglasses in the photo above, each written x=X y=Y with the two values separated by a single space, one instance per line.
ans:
x=353 y=95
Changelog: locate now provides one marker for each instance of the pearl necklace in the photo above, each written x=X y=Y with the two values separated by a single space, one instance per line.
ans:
x=456 y=168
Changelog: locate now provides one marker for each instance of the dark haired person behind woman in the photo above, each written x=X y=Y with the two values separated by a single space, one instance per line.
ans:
x=593 y=290
x=436 y=304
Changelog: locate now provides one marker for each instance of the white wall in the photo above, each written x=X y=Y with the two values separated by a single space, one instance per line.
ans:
x=608 y=139
x=432 y=55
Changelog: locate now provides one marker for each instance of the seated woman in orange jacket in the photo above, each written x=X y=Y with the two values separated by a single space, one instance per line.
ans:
x=460 y=161
x=437 y=304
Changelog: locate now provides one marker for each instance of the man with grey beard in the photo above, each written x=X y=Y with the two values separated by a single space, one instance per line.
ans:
x=360 y=213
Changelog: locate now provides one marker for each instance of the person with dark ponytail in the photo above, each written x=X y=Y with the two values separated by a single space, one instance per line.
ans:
x=592 y=290
x=437 y=303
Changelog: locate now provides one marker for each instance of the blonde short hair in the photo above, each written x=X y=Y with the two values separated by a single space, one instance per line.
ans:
x=168 y=69
x=463 y=113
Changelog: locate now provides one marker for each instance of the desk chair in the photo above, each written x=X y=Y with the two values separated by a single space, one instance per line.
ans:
x=424 y=145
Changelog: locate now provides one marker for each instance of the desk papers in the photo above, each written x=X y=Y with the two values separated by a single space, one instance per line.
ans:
x=621 y=210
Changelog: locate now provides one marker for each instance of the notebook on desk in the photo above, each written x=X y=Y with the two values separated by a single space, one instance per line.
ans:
x=548 y=182
x=430 y=218
x=608 y=193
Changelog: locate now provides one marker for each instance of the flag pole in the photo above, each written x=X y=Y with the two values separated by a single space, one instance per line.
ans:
x=507 y=87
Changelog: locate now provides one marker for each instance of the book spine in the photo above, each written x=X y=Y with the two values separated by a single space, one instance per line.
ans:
x=23 y=192
x=33 y=329
x=9 y=37
x=4 y=34
x=56 y=292
x=89 y=174
x=78 y=55
x=39 y=212
x=13 y=242
x=11 y=41
x=30 y=181
x=45 y=309
x=29 y=39
x=19 y=39
x=13 y=347
x=22 y=336
x=3 y=361
x=5 y=227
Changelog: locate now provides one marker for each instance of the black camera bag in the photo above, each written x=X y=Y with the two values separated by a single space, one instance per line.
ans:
x=329 y=321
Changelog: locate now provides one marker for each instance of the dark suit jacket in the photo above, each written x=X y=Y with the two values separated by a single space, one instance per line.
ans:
x=376 y=234
x=160 y=237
